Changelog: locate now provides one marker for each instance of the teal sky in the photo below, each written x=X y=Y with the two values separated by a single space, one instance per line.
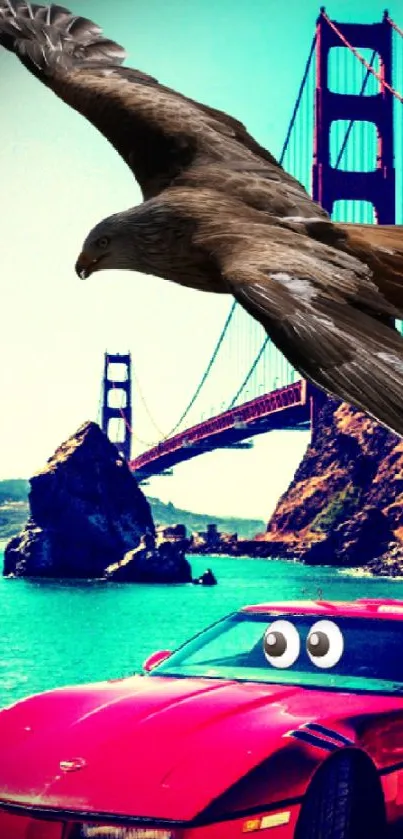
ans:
x=59 y=177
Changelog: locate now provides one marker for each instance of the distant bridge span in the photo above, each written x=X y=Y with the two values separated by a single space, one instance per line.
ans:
x=289 y=407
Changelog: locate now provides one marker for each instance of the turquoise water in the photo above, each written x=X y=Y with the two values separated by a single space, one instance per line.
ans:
x=54 y=633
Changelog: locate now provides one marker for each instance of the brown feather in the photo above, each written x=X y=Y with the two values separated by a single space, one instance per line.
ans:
x=318 y=302
x=381 y=248
x=162 y=135
x=223 y=215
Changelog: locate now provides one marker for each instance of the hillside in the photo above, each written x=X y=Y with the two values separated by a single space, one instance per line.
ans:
x=14 y=511
x=345 y=504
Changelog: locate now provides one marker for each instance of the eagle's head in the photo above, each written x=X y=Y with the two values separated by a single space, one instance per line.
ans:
x=152 y=238
x=110 y=244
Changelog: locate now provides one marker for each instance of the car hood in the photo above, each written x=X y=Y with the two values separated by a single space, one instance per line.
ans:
x=156 y=747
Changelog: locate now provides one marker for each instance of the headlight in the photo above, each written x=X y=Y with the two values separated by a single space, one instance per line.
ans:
x=103 y=831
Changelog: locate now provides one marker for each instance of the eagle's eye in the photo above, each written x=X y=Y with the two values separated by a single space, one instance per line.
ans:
x=103 y=242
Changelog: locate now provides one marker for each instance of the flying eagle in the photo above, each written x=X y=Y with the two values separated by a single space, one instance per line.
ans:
x=221 y=215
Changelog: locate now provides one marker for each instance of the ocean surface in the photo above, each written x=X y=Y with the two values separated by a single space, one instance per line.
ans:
x=54 y=633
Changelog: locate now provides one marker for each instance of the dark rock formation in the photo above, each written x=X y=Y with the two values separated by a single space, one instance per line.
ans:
x=390 y=563
x=208 y=578
x=86 y=513
x=153 y=563
x=345 y=504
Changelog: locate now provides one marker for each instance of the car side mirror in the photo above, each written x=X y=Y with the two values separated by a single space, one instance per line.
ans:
x=155 y=659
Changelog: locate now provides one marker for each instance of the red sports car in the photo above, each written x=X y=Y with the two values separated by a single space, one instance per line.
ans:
x=282 y=719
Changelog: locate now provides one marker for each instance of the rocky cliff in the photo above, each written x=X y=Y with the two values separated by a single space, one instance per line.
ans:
x=345 y=504
x=86 y=513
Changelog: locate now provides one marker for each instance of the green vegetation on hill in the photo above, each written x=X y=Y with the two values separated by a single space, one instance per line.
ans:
x=13 y=516
x=14 y=509
x=167 y=514
x=14 y=512
x=16 y=489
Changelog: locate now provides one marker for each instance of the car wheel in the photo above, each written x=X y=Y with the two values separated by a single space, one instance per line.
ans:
x=344 y=801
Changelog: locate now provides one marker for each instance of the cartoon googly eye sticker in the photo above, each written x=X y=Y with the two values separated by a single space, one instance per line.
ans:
x=281 y=644
x=325 y=644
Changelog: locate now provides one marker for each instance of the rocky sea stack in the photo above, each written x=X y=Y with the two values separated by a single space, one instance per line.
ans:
x=86 y=513
x=344 y=506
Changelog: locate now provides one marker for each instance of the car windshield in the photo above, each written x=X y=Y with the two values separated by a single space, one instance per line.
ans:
x=344 y=653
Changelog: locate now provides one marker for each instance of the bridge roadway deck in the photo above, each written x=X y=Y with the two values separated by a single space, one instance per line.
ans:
x=288 y=407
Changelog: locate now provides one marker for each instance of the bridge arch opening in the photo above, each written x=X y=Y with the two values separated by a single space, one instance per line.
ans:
x=117 y=372
x=117 y=398
x=360 y=153
x=346 y=73
x=116 y=430
x=361 y=212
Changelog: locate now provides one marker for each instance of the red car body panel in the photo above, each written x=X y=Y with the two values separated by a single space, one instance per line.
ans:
x=387 y=609
x=165 y=749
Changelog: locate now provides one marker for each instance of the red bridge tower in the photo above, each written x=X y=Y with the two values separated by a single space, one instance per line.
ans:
x=329 y=184
x=120 y=413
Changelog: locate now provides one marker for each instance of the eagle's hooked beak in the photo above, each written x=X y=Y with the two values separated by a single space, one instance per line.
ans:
x=86 y=265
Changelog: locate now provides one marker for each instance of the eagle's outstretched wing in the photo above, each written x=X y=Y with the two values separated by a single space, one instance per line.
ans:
x=158 y=132
x=323 y=310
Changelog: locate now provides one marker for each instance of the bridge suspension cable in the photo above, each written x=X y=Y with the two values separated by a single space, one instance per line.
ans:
x=249 y=373
x=124 y=418
x=281 y=160
x=394 y=25
x=298 y=100
x=166 y=435
x=206 y=372
x=146 y=408
x=361 y=58
x=100 y=401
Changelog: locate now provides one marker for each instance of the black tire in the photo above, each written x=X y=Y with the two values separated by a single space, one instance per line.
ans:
x=344 y=801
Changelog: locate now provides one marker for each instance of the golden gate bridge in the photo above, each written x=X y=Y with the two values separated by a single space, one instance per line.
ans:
x=345 y=144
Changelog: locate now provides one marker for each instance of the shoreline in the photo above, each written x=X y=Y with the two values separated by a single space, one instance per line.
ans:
x=268 y=553
x=249 y=549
